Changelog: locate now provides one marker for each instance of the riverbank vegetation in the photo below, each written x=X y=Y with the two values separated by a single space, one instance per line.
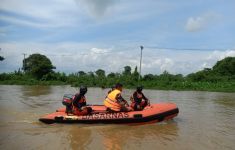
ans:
x=38 y=70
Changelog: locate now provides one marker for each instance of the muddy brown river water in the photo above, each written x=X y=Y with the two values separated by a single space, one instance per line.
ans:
x=206 y=121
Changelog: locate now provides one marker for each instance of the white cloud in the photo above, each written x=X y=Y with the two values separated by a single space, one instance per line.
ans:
x=71 y=57
x=167 y=64
x=160 y=64
x=218 y=55
x=99 y=51
x=215 y=56
x=195 y=24
x=68 y=57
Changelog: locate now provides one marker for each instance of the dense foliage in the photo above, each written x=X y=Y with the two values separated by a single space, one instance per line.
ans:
x=223 y=70
x=37 y=65
x=221 y=77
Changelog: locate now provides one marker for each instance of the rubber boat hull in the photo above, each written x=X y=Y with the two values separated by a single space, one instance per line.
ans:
x=153 y=113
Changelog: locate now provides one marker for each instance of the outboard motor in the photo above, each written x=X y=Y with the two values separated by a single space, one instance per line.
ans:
x=67 y=101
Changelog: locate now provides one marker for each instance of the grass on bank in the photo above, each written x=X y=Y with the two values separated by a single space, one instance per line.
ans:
x=163 y=85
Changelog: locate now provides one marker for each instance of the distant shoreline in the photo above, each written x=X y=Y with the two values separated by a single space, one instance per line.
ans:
x=177 y=86
x=219 y=78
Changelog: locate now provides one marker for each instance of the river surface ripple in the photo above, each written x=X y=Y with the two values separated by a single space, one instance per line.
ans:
x=206 y=121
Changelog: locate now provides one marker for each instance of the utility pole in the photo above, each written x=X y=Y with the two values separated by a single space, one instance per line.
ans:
x=24 y=61
x=141 y=49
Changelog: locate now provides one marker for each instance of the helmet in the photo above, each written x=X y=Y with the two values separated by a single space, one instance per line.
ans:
x=139 y=88
x=83 y=90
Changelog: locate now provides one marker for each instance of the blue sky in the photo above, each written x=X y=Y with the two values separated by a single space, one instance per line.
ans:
x=92 y=34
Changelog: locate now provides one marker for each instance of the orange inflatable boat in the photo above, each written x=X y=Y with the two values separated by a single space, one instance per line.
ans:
x=153 y=113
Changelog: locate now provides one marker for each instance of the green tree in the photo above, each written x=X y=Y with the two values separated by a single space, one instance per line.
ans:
x=100 y=78
x=225 y=67
x=165 y=75
x=111 y=75
x=38 y=65
x=148 y=77
x=100 y=73
x=178 y=77
x=81 y=73
x=127 y=70
x=135 y=74
x=91 y=74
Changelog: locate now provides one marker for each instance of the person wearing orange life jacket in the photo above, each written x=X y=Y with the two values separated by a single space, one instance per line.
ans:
x=79 y=103
x=139 y=101
x=114 y=101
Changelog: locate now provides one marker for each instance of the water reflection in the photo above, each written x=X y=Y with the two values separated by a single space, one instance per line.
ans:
x=119 y=137
x=225 y=101
x=78 y=137
x=29 y=91
x=35 y=96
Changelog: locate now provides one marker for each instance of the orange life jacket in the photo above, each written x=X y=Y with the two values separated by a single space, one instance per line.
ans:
x=139 y=96
x=82 y=101
x=111 y=101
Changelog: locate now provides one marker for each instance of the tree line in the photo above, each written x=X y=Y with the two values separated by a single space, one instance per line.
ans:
x=38 y=69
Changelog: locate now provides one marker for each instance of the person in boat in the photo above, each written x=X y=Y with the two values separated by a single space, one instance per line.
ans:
x=114 y=100
x=138 y=100
x=112 y=88
x=79 y=103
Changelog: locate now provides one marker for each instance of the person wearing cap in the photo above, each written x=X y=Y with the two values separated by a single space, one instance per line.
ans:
x=139 y=101
x=79 y=103
x=114 y=100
